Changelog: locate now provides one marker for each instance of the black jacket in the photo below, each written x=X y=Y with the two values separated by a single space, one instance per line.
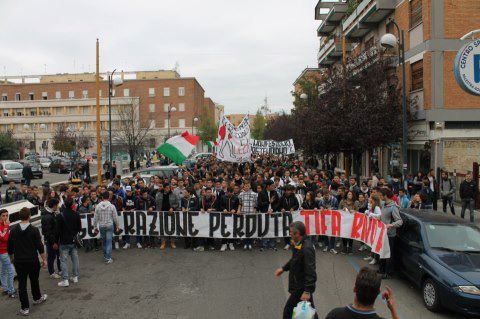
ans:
x=288 y=203
x=310 y=205
x=27 y=172
x=25 y=245
x=191 y=203
x=468 y=190
x=68 y=226
x=229 y=203
x=49 y=226
x=301 y=267
x=263 y=202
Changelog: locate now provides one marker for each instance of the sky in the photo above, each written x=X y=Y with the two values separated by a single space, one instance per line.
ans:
x=240 y=51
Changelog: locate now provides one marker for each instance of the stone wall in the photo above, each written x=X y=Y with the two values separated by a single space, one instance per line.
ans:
x=461 y=154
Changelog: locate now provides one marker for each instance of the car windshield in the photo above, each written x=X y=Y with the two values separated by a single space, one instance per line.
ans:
x=453 y=237
x=13 y=166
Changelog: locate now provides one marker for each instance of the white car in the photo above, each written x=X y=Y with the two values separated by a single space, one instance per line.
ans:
x=44 y=162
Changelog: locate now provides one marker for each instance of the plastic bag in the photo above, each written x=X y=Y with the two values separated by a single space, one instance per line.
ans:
x=303 y=310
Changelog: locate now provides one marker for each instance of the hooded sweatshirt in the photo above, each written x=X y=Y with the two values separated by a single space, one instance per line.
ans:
x=25 y=243
x=391 y=215
x=105 y=215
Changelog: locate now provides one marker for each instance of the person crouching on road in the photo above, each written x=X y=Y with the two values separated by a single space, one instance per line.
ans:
x=105 y=220
x=301 y=267
x=68 y=226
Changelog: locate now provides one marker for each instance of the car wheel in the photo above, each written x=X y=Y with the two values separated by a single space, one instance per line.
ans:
x=431 y=299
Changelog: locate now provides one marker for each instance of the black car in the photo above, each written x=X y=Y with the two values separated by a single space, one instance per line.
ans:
x=440 y=253
x=60 y=165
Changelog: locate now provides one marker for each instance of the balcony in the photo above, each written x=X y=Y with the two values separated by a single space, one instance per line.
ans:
x=332 y=19
x=366 y=16
x=331 y=51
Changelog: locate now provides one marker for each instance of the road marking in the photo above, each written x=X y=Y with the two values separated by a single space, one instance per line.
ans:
x=356 y=266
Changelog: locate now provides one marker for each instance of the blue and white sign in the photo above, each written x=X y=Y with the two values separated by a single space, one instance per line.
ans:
x=467 y=67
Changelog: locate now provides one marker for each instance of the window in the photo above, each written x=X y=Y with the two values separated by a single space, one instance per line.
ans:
x=72 y=110
x=44 y=112
x=18 y=113
x=86 y=126
x=32 y=112
x=166 y=123
x=5 y=113
x=17 y=97
x=166 y=106
x=31 y=96
x=85 y=94
x=86 y=110
x=58 y=95
x=126 y=92
x=181 y=91
x=44 y=96
x=45 y=128
x=166 y=91
x=71 y=94
x=100 y=93
x=417 y=75
x=151 y=92
x=181 y=107
x=181 y=123
x=152 y=123
x=4 y=97
x=415 y=13
x=151 y=108
x=410 y=232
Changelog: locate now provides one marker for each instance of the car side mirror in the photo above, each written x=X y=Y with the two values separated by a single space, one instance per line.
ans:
x=416 y=245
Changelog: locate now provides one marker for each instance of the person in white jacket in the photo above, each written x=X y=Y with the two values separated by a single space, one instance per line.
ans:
x=106 y=220
x=373 y=211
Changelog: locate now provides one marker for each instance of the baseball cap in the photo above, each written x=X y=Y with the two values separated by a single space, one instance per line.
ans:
x=128 y=188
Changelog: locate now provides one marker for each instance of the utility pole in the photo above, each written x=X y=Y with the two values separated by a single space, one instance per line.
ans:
x=97 y=89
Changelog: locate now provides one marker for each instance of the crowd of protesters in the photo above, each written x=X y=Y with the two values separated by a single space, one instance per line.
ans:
x=267 y=185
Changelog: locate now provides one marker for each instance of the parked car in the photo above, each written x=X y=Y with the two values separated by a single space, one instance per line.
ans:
x=11 y=171
x=44 y=162
x=36 y=168
x=162 y=171
x=440 y=253
x=60 y=165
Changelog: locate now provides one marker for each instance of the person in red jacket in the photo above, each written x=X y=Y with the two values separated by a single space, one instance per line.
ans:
x=7 y=272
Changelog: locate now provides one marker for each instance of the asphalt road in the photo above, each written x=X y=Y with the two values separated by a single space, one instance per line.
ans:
x=183 y=284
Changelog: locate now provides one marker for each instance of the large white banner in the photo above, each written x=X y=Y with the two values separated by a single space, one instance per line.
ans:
x=234 y=141
x=225 y=225
x=272 y=147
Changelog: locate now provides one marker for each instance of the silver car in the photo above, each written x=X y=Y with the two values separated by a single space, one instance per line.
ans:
x=11 y=171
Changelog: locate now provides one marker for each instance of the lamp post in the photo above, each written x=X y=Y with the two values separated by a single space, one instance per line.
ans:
x=111 y=83
x=34 y=131
x=170 y=109
x=390 y=41
x=194 y=120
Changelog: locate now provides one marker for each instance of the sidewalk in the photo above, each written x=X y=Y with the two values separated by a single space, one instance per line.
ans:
x=458 y=210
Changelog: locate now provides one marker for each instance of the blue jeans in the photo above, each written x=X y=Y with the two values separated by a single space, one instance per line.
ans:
x=7 y=274
x=53 y=255
x=106 y=233
x=65 y=251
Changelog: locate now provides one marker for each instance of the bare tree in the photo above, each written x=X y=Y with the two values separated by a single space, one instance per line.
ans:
x=132 y=131
x=84 y=142
x=63 y=139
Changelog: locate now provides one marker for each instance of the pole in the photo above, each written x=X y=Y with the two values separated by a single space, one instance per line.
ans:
x=110 y=123
x=404 y=110
x=168 y=118
x=97 y=89
x=35 y=141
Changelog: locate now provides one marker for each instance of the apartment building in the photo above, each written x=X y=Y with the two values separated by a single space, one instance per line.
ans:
x=160 y=96
x=444 y=129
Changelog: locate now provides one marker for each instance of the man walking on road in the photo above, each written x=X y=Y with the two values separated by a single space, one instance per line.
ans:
x=24 y=245
x=447 y=192
x=468 y=192
x=301 y=267
x=105 y=219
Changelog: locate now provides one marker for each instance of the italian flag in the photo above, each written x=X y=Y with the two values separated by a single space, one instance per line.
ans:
x=210 y=144
x=178 y=148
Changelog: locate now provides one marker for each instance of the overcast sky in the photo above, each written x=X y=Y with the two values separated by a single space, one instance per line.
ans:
x=239 y=51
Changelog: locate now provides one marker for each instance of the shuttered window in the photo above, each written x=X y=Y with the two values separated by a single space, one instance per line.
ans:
x=415 y=13
x=417 y=75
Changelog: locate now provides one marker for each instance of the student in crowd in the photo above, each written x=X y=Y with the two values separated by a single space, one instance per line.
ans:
x=105 y=221
x=7 y=273
x=468 y=193
x=49 y=227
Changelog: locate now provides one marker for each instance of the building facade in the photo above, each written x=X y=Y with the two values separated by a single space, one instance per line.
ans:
x=164 y=100
x=444 y=126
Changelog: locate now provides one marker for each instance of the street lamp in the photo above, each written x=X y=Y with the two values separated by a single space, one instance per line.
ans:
x=304 y=96
x=34 y=131
x=111 y=83
x=390 y=41
x=170 y=109
x=194 y=120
